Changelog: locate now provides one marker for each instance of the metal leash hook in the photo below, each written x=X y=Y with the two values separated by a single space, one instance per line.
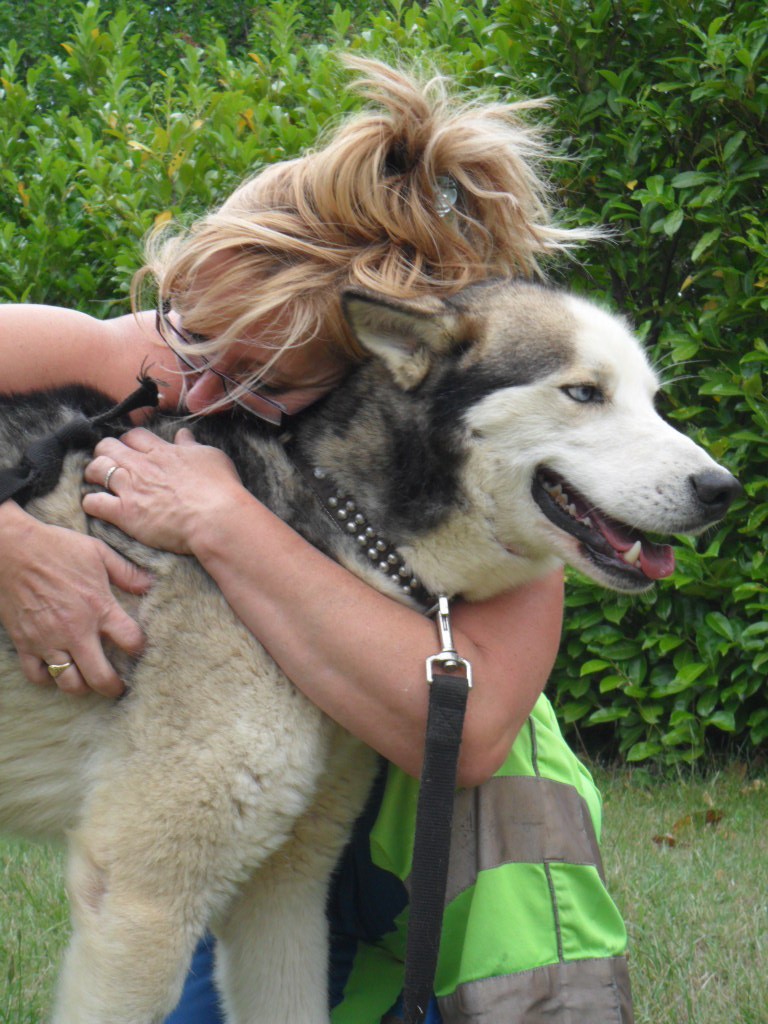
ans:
x=448 y=659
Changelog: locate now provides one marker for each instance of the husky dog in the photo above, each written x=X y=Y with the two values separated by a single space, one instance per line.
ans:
x=489 y=438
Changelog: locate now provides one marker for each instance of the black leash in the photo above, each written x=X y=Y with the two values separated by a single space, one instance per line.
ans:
x=450 y=679
x=39 y=470
x=448 y=694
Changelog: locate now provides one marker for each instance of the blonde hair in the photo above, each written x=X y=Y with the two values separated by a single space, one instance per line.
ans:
x=364 y=210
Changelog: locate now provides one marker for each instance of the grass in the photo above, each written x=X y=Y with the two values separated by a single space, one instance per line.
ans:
x=34 y=924
x=686 y=859
x=687 y=863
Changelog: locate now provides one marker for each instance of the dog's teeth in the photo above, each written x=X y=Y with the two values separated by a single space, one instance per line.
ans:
x=633 y=555
x=561 y=498
x=587 y=522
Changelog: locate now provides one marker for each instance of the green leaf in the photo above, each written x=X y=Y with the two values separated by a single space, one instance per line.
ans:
x=594 y=665
x=673 y=222
x=651 y=713
x=643 y=751
x=707 y=703
x=655 y=185
x=683 y=678
x=705 y=242
x=724 y=720
x=609 y=683
x=573 y=710
x=603 y=715
x=690 y=179
x=720 y=624
x=733 y=144
x=669 y=643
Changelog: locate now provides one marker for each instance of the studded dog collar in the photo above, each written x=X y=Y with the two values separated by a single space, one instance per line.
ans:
x=346 y=515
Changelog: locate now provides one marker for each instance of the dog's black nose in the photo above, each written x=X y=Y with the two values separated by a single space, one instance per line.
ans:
x=715 y=489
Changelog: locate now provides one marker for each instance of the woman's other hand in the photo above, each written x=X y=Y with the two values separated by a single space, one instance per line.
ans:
x=57 y=606
x=159 y=493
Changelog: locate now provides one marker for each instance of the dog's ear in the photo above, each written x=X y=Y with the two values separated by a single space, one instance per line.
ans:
x=406 y=336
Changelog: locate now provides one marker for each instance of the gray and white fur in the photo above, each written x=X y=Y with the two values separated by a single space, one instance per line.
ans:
x=489 y=438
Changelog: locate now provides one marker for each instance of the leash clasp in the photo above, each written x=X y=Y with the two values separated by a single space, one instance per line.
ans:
x=448 y=659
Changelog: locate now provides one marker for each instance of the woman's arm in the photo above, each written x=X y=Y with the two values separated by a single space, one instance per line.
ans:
x=355 y=653
x=361 y=656
x=46 y=346
x=55 y=597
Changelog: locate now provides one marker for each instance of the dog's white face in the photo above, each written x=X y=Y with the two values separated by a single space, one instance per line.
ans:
x=566 y=457
x=591 y=463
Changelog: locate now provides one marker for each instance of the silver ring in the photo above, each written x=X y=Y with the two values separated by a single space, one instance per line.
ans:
x=54 y=671
x=108 y=477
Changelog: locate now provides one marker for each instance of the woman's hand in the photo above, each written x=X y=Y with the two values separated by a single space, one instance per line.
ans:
x=56 y=603
x=159 y=493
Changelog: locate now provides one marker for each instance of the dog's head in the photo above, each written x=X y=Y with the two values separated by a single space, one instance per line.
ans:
x=563 y=453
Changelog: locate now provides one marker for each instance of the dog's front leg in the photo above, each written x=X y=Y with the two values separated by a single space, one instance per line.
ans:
x=272 y=952
x=129 y=950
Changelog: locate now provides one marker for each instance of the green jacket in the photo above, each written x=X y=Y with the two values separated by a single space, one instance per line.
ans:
x=530 y=934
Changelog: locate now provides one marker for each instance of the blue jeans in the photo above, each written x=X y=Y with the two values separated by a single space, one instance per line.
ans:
x=199 y=1003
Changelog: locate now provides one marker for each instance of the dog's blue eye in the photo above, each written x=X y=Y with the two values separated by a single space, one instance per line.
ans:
x=584 y=393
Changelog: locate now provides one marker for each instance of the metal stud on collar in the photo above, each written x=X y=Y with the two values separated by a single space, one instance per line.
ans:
x=383 y=555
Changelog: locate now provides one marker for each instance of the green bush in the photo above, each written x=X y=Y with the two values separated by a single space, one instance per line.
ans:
x=113 y=118
x=664 y=109
x=104 y=135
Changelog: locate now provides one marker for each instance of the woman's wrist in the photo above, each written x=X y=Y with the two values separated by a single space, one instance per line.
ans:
x=15 y=524
x=213 y=525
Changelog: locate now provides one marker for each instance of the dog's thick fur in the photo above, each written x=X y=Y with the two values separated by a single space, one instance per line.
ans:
x=490 y=438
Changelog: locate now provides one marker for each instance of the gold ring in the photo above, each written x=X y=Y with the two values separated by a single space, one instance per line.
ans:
x=54 y=671
x=108 y=477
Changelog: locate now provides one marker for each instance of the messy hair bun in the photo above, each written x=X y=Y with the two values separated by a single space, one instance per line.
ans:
x=420 y=193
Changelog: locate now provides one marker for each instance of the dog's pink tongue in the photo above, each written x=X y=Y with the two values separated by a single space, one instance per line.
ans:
x=655 y=560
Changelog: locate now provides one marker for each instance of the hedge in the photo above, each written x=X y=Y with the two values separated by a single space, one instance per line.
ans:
x=114 y=118
x=664 y=106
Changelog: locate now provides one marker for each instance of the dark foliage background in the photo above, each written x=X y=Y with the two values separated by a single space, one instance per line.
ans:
x=114 y=118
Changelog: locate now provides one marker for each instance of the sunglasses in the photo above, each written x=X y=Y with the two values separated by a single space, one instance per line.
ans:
x=249 y=397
